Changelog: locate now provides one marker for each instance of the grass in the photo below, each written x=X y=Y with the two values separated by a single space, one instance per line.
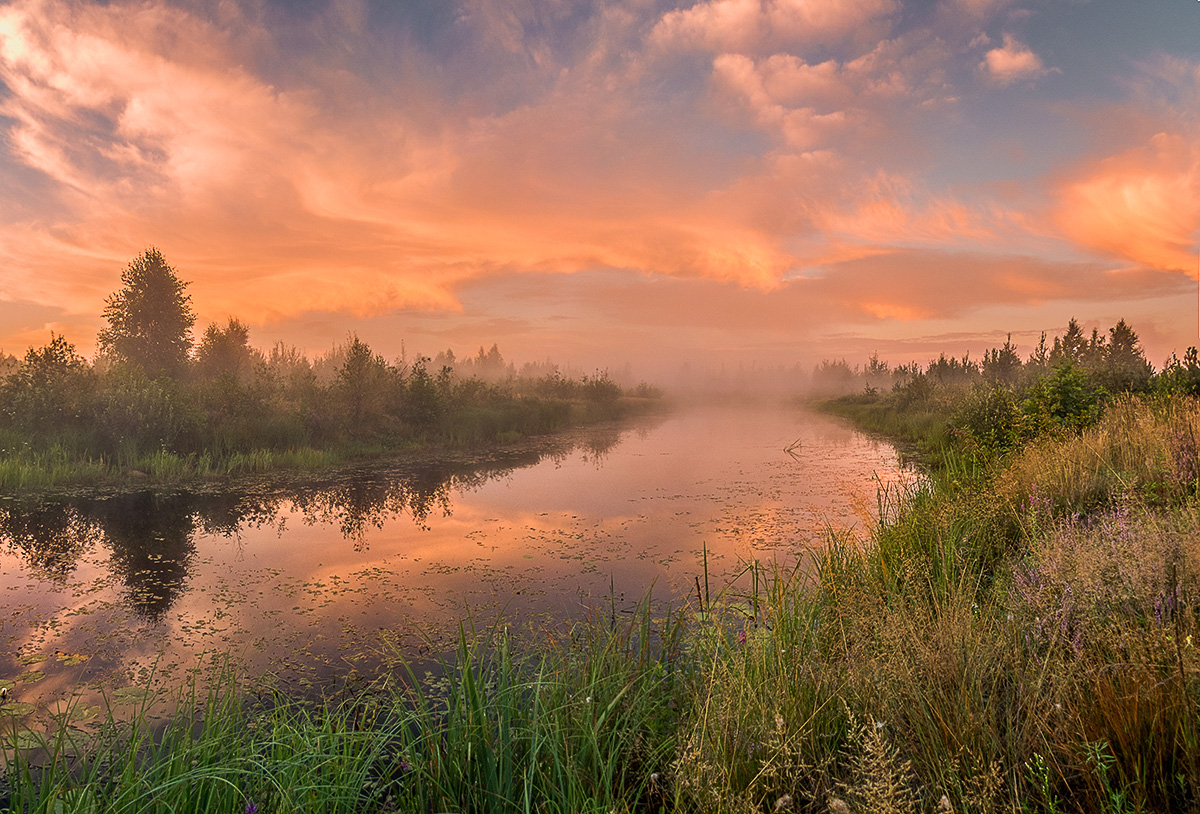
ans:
x=27 y=468
x=586 y=726
x=1020 y=637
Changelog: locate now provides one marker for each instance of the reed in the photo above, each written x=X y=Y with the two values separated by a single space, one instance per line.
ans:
x=987 y=647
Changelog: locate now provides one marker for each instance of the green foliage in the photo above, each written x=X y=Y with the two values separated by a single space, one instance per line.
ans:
x=225 y=352
x=50 y=391
x=1124 y=366
x=1180 y=376
x=363 y=385
x=136 y=410
x=1002 y=365
x=583 y=726
x=600 y=389
x=423 y=399
x=1063 y=400
x=135 y=413
x=990 y=419
x=150 y=319
x=994 y=407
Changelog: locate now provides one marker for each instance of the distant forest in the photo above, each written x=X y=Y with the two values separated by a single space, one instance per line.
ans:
x=1001 y=400
x=152 y=391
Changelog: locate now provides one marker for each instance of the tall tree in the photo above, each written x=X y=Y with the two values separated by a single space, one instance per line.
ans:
x=1126 y=366
x=1001 y=365
x=1071 y=347
x=149 y=320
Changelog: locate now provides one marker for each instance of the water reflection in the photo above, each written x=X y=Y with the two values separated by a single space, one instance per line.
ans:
x=316 y=578
x=49 y=538
x=151 y=535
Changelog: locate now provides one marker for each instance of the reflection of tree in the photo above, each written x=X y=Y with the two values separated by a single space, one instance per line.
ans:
x=599 y=443
x=227 y=513
x=50 y=537
x=152 y=538
x=368 y=499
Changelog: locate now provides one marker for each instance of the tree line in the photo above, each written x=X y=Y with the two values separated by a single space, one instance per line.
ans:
x=150 y=387
x=1002 y=399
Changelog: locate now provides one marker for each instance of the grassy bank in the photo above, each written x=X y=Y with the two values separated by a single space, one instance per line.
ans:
x=1017 y=636
x=25 y=467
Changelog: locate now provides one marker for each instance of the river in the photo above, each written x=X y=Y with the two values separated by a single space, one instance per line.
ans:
x=324 y=577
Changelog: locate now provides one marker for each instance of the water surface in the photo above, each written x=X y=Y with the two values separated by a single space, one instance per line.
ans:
x=325 y=577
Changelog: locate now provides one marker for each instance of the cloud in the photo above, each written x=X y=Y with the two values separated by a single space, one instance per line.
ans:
x=1141 y=205
x=751 y=26
x=291 y=164
x=1012 y=62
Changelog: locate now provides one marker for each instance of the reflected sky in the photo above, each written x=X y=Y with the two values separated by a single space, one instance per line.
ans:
x=311 y=580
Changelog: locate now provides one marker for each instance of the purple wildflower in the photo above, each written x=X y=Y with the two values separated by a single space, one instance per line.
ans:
x=741 y=637
x=251 y=807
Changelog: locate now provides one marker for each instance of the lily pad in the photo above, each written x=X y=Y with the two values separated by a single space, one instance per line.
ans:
x=31 y=676
x=24 y=739
x=30 y=658
x=72 y=658
x=17 y=708
x=82 y=713
x=130 y=695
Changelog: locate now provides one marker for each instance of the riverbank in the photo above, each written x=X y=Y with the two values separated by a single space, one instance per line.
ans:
x=1018 y=634
x=26 y=468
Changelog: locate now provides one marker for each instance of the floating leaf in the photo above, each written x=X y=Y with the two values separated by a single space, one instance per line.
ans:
x=31 y=676
x=72 y=658
x=82 y=713
x=130 y=695
x=24 y=739
x=17 y=708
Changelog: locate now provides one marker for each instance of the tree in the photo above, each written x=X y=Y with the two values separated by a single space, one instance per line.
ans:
x=149 y=320
x=1071 y=347
x=1126 y=367
x=362 y=383
x=1001 y=365
x=50 y=390
x=225 y=351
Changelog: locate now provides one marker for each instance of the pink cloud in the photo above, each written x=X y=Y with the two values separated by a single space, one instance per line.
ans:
x=748 y=26
x=1140 y=205
x=320 y=192
x=1012 y=62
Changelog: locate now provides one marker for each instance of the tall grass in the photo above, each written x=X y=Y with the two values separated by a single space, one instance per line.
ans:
x=588 y=725
x=988 y=648
x=999 y=645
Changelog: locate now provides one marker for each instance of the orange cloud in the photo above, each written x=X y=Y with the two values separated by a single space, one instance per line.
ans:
x=795 y=158
x=903 y=313
x=1141 y=205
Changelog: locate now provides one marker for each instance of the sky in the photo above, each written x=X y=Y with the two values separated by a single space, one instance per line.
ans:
x=639 y=183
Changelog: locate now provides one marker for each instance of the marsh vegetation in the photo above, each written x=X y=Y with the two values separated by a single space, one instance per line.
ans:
x=154 y=405
x=1016 y=632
